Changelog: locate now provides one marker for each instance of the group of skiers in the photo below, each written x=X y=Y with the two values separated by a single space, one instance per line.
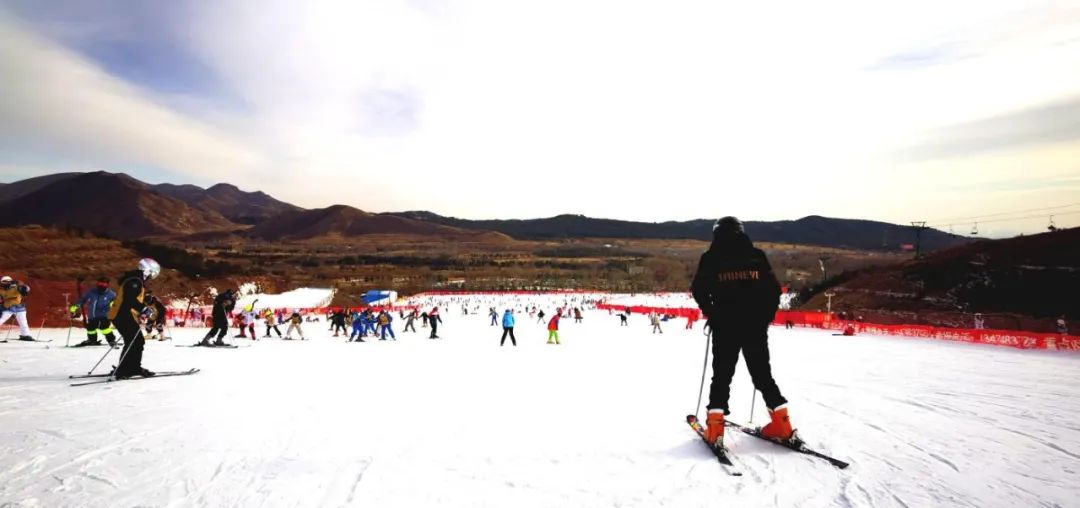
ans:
x=126 y=310
x=363 y=323
x=734 y=286
x=508 y=323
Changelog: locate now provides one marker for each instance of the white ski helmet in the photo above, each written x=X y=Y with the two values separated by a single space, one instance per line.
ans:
x=149 y=268
x=6 y=281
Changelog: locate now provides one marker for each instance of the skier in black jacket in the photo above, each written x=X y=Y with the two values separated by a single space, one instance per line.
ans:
x=736 y=289
x=155 y=318
x=223 y=305
x=125 y=317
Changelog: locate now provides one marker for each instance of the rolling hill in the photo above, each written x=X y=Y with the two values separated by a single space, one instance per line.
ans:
x=232 y=203
x=192 y=212
x=812 y=230
x=109 y=204
x=340 y=221
x=1032 y=275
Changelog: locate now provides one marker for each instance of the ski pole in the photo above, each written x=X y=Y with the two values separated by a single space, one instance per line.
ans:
x=125 y=353
x=753 y=399
x=67 y=310
x=704 y=367
x=41 y=329
x=107 y=351
x=67 y=343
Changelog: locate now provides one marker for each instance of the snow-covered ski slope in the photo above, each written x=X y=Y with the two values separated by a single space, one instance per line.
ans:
x=596 y=421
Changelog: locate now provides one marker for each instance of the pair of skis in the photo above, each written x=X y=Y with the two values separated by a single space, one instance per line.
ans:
x=794 y=444
x=199 y=344
x=93 y=379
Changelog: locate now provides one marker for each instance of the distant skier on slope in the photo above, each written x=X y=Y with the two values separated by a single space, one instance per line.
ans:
x=409 y=318
x=249 y=317
x=434 y=319
x=337 y=321
x=553 y=327
x=271 y=323
x=385 y=319
x=508 y=328
x=654 y=320
x=12 y=294
x=223 y=305
x=294 y=324
x=736 y=289
x=155 y=318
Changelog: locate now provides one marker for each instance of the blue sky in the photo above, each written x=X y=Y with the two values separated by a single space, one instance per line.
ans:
x=483 y=108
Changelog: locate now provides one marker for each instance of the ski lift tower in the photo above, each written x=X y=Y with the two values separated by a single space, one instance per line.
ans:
x=919 y=227
x=828 y=306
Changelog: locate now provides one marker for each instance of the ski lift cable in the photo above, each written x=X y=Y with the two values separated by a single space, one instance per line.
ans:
x=966 y=220
x=1006 y=219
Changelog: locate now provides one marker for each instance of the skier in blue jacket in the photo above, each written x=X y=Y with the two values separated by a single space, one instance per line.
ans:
x=97 y=302
x=369 y=324
x=357 y=327
x=508 y=328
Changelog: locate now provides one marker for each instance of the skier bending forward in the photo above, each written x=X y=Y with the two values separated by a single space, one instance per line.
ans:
x=737 y=291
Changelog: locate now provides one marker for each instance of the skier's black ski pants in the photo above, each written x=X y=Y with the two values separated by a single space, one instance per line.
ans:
x=220 y=328
x=508 y=330
x=728 y=338
x=131 y=355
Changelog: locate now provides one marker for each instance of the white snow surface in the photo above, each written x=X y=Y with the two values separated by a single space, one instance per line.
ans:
x=301 y=298
x=595 y=421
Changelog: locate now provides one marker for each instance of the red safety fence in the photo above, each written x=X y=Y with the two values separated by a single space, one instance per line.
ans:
x=1010 y=338
x=464 y=292
x=694 y=314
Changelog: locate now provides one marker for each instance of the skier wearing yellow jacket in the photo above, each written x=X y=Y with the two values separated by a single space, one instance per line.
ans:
x=125 y=317
x=12 y=293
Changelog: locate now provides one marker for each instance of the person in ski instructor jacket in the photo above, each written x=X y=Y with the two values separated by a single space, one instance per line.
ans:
x=97 y=302
x=737 y=291
x=125 y=316
x=223 y=305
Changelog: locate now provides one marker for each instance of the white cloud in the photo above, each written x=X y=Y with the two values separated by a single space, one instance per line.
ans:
x=644 y=110
x=63 y=106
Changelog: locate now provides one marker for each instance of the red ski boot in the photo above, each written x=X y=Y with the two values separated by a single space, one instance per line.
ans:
x=714 y=428
x=779 y=428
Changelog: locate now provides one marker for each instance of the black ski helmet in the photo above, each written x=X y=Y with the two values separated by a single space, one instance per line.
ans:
x=727 y=225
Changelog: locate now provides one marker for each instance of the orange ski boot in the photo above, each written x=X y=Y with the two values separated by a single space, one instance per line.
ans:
x=714 y=428
x=779 y=428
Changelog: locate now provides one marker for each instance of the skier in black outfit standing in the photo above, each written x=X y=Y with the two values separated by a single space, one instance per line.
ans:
x=125 y=317
x=337 y=321
x=223 y=305
x=736 y=289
